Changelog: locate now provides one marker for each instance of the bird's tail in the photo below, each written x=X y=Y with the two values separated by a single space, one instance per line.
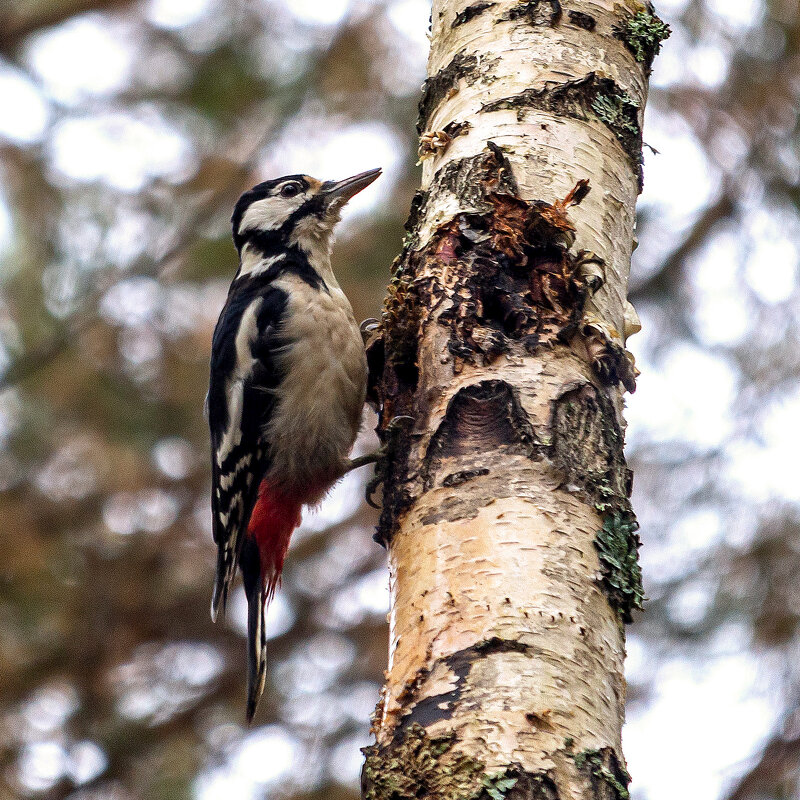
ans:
x=264 y=548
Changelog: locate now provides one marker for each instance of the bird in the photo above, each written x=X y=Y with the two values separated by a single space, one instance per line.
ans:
x=287 y=385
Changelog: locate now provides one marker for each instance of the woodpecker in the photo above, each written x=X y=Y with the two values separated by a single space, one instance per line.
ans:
x=286 y=391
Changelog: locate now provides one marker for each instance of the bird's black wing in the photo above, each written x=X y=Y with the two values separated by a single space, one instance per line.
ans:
x=241 y=396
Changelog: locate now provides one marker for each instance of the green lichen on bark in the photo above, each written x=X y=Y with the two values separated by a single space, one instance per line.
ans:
x=417 y=765
x=618 y=110
x=414 y=765
x=643 y=34
x=498 y=785
x=604 y=768
x=617 y=545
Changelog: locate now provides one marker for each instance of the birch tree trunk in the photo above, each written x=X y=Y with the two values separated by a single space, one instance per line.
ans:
x=512 y=543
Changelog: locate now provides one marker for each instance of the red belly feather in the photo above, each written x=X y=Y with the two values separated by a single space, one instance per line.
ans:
x=274 y=518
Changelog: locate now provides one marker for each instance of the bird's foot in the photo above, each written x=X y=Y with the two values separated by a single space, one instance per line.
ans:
x=380 y=457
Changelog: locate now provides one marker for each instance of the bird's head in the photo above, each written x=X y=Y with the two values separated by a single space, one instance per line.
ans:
x=296 y=210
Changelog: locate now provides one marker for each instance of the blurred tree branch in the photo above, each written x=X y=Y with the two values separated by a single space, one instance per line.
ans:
x=19 y=20
x=778 y=762
x=667 y=277
x=124 y=746
x=44 y=353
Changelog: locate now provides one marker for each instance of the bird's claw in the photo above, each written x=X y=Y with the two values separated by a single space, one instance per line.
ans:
x=368 y=327
x=381 y=456
x=395 y=425
x=374 y=483
x=393 y=430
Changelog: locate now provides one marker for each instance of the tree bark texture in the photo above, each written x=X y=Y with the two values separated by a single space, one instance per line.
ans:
x=500 y=367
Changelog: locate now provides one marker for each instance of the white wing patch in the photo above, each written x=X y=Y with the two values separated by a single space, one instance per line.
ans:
x=234 y=391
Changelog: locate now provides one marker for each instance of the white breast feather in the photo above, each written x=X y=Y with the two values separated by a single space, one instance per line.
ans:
x=321 y=397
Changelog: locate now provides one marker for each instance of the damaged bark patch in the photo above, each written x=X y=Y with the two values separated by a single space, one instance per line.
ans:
x=422 y=766
x=536 y=12
x=435 y=708
x=444 y=83
x=480 y=418
x=515 y=280
x=417 y=765
x=643 y=34
x=587 y=447
x=582 y=20
x=608 y=777
x=590 y=97
x=617 y=545
x=470 y=12
x=510 y=275
x=507 y=277
x=470 y=179
x=499 y=279
x=475 y=178
x=413 y=293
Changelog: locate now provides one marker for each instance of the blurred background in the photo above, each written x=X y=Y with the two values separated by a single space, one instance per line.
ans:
x=127 y=130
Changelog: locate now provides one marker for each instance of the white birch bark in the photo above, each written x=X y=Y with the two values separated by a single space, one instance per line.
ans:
x=511 y=540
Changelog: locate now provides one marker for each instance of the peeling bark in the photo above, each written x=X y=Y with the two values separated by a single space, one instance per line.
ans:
x=499 y=369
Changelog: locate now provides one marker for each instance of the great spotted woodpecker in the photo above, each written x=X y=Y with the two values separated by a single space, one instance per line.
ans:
x=287 y=387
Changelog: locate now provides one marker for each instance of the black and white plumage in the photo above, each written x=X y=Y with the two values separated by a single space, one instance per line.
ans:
x=287 y=386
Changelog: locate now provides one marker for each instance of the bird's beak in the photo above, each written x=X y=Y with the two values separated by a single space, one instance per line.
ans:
x=344 y=190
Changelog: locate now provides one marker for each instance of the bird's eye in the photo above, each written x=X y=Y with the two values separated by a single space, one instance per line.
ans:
x=290 y=190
